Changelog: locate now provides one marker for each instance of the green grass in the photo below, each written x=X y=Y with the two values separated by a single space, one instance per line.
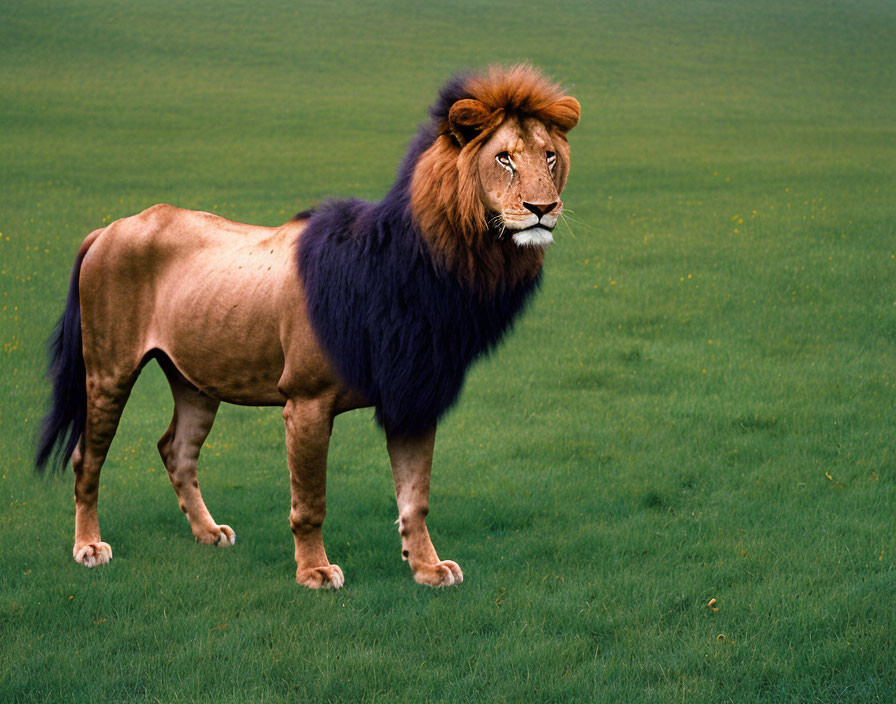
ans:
x=700 y=403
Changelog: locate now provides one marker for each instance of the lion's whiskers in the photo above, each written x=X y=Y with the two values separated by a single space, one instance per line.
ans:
x=569 y=214
x=566 y=219
x=496 y=222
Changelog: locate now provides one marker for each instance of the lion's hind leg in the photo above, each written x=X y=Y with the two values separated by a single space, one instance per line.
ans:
x=194 y=414
x=86 y=552
x=106 y=398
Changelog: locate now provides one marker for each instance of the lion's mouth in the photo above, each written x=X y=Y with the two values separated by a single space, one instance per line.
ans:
x=534 y=236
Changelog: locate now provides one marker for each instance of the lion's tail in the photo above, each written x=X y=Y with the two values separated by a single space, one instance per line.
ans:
x=65 y=421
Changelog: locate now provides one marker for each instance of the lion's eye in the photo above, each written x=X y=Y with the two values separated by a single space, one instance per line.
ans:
x=505 y=161
x=552 y=159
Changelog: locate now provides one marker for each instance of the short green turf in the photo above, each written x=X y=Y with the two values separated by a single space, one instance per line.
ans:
x=700 y=404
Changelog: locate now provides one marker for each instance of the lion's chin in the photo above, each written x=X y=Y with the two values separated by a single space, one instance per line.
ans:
x=533 y=237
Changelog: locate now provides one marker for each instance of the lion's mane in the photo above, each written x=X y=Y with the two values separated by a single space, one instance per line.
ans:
x=406 y=293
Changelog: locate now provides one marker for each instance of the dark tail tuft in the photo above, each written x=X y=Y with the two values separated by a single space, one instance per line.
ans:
x=64 y=423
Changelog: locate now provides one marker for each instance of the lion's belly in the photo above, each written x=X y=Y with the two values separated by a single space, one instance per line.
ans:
x=226 y=342
x=229 y=371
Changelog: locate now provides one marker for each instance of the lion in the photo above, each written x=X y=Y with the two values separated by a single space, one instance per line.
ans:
x=350 y=305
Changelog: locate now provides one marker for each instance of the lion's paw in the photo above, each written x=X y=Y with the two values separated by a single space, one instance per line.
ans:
x=442 y=574
x=222 y=536
x=326 y=577
x=93 y=554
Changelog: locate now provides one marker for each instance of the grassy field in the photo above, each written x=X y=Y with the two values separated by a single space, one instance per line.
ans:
x=701 y=403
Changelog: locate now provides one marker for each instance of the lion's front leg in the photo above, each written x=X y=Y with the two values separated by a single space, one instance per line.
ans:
x=411 y=465
x=308 y=427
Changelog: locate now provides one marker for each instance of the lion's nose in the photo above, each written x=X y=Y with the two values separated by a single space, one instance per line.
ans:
x=540 y=208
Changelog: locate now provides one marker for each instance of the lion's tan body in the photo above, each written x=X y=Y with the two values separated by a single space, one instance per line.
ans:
x=221 y=306
x=239 y=283
x=247 y=340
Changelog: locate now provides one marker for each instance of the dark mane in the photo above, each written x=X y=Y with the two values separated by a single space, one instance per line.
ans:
x=399 y=321
x=302 y=215
x=454 y=89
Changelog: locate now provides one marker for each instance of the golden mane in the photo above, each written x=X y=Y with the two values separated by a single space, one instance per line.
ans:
x=444 y=192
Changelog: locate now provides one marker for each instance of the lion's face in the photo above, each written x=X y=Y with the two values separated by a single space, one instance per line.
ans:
x=522 y=169
x=498 y=164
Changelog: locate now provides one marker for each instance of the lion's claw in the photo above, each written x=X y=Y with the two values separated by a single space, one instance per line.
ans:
x=93 y=554
x=324 y=577
x=442 y=574
x=222 y=536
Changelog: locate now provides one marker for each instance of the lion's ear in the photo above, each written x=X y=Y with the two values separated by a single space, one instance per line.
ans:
x=564 y=114
x=466 y=118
